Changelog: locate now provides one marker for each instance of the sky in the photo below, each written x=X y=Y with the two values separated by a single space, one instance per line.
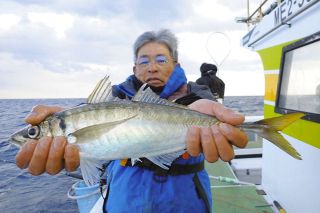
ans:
x=61 y=49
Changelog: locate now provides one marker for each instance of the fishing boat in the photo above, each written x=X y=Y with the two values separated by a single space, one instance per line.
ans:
x=286 y=35
x=262 y=178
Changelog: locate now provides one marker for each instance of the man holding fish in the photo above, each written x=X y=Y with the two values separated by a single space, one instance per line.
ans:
x=144 y=185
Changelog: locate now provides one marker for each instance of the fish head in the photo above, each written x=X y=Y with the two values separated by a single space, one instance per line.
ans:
x=21 y=136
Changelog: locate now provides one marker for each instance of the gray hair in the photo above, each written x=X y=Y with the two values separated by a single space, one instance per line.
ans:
x=164 y=36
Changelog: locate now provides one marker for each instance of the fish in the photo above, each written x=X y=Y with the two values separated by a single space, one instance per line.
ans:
x=108 y=128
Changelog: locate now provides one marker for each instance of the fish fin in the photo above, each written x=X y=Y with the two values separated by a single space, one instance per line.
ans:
x=269 y=130
x=90 y=169
x=102 y=92
x=146 y=95
x=280 y=122
x=165 y=161
x=106 y=127
x=277 y=139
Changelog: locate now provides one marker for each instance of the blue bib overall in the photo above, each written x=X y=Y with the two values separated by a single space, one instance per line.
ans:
x=136 y=189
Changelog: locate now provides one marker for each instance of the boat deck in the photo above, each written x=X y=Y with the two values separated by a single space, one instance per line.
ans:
x=231 y=198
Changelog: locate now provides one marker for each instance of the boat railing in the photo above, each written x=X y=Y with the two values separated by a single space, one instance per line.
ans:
x=258 y=13
x=254 y=147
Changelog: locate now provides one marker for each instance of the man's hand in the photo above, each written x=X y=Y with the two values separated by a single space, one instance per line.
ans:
x=48 y=154
x=216 y=141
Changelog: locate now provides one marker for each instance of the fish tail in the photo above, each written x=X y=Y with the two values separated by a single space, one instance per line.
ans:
x=281 y=122
x=268 y=129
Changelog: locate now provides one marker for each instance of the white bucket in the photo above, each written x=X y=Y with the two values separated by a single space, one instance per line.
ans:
x=86 y=196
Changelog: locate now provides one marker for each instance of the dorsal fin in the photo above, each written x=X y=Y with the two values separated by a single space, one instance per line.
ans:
x=102 y=92
x=146 y=95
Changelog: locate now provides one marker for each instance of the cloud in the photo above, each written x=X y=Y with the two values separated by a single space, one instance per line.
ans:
x=8 y=20
x=16 y=82
x=84 y=39
x=58 y=22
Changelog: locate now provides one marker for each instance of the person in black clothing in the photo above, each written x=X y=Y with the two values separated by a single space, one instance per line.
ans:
x=210 y=79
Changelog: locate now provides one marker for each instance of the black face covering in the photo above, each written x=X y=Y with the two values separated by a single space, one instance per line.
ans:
x=137 y=84
x=157 y=90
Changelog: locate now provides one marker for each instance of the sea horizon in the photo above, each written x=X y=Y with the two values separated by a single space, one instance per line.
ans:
x=86 y=98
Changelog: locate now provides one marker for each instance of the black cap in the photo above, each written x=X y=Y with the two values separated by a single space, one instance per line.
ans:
x=208 y=68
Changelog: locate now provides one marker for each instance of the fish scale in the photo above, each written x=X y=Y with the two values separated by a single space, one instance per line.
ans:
x=137 y=136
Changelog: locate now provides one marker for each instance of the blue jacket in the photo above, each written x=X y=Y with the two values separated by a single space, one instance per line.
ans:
x=135 y=189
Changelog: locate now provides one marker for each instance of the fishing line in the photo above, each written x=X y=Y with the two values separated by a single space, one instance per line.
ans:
x=228 y=52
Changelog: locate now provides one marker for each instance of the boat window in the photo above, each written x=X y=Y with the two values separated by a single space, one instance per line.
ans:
x=299 y=79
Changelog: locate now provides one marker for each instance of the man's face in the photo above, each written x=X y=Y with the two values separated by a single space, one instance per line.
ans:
x=154 y=64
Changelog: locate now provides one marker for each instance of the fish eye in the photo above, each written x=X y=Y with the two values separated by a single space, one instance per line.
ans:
x=33 y=132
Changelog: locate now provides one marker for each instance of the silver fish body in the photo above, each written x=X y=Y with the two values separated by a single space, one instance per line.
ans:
x=146 y=126
x=124 y=129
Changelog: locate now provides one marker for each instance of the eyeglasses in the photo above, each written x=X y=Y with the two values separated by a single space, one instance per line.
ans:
x=160 y=60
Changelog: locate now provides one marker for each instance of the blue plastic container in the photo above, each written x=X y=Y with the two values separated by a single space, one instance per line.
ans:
x=86 y=196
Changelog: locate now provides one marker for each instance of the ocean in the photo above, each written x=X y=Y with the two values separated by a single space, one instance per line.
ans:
x=22 y=192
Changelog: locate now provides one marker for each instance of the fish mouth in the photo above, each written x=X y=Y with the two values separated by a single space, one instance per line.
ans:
x=14 y=140
x=20 y=137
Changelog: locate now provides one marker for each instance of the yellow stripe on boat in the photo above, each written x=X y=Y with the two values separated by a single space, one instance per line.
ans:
x=306 y=131
x=271 y=56
x=271 y=84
